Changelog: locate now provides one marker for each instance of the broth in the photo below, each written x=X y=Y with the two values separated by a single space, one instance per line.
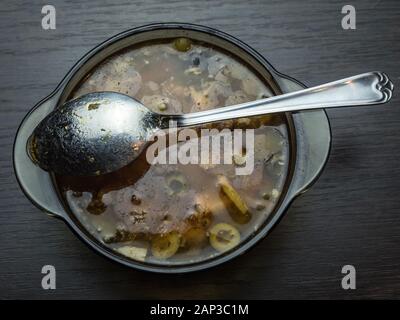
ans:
x=174 y=213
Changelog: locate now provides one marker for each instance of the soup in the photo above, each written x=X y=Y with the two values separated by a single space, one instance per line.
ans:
x=175 y=213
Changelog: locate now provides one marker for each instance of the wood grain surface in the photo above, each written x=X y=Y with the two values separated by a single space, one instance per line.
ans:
x=350 y=216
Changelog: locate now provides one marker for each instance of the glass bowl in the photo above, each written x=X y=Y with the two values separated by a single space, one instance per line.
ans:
x=309 y=138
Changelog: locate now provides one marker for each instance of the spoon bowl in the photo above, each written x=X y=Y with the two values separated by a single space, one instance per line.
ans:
x=95 y=134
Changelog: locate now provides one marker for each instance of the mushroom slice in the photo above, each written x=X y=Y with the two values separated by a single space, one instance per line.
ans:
x=237 y=97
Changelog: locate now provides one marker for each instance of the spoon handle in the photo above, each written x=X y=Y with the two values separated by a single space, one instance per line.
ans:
x=364 y=89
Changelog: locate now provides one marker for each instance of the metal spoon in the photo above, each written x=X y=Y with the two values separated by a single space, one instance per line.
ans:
x=102 y=132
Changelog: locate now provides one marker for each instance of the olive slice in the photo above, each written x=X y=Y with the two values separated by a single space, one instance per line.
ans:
x=176 y=183
x=164 y=246
x=233 y=195
x=224 y=236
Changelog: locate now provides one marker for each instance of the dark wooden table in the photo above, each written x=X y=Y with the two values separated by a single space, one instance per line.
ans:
x=350 y=216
